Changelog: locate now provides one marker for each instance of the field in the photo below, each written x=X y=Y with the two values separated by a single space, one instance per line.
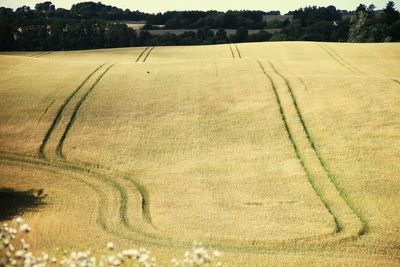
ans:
x=274 y=153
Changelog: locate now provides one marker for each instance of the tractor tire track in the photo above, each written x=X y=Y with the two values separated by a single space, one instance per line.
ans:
x=238 y=51
x=37 y=54
x=336 y=59
x=145 y=204
x=230 y=48
x=60 y=159
x=140 y=188
x=44 y=54
x=141 y=54
x=344 y=219
x=148 y=54
x=297 y=150
x=342 y=59
x=150 y=238
x=299 y=245
x=46 y=110
x=303 y=83
x=147 y=217
x=56 y=120
x=59 y=149
x=45 y=166
x=60 y=167
x=332 y=178
x=145 y=196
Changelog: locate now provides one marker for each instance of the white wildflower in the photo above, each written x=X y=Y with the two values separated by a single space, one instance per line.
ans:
x=144 y=258
x=6 y=242
x=217 y=253
x=19 y=220
x=20 y=254
x=174 y=262
x=25 y=228
x=110 y=246
x=132 y=253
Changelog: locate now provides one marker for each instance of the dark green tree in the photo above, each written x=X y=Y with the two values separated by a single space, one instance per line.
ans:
x=44 y=7
x=242 y=34
x=391 y=15
x=221 y=36
x=6 y=36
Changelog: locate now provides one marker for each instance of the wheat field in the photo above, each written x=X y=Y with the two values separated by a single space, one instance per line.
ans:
x=274 y=153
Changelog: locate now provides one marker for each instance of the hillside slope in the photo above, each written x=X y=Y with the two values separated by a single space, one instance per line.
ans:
x=274 y=153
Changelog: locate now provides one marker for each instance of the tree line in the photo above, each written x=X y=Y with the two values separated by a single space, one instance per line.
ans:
x=90 y=25
x=327 y=24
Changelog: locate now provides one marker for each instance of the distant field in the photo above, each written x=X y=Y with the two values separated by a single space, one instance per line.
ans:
x=274 y=153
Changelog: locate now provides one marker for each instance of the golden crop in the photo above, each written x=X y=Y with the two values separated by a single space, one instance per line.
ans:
x=274 y=153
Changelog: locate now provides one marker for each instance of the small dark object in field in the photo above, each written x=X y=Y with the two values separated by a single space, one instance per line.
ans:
x=148 y=71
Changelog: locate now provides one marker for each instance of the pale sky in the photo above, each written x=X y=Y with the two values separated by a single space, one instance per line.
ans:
x=223 y=5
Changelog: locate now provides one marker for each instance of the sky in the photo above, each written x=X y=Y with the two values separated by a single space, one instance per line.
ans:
x=222 y=5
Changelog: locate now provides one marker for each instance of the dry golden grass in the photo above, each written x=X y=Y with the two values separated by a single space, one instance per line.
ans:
x=276 y=153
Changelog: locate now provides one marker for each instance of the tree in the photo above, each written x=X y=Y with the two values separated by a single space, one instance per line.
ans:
x=44 y=7
x=242 y=34
x=118 y=35
x=371 y=11
x=391 y=15
x=204 y=34
x=395 y=31
x=220 y=35
x=21 y=11
x=321 y=31
x=6 y=36
x=361 y=8
x=358 y=31
x=340 y=32
x=278 y=37
x=261 y=36
x=168 y=39
x=144 y=38
x=189 y=38
x=294 y=30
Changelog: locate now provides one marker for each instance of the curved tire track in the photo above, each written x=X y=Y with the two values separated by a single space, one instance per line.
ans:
x=338 y=187
x=46 y=166
x=149 y=237
x=47 y=109
x=137 y=234
x=343 y=210
x=59 y=160
x=157 y=240
x=297 y=150
x=59 y=149
x=59 y=114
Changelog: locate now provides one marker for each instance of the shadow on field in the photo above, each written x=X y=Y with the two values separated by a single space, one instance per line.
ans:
x=14 y=203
